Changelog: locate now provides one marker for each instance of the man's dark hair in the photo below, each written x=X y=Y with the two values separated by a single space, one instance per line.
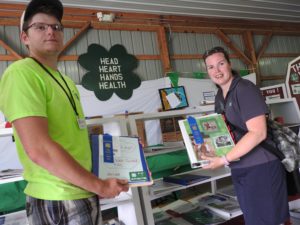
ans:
x=214 y=50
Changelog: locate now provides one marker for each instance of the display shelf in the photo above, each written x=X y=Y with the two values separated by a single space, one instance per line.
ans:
x=287 y=109
x=214 y=176
x=160 y=115
x=10 y=180
x=6 y=132
x=163 y=151
x=146 y=194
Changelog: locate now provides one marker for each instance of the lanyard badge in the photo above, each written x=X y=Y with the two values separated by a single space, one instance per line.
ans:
x=81 y=123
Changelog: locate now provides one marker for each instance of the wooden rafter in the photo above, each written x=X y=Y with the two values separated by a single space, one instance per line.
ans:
x=163 y=48
x=229 y=43
x=139 y=57
x=196 y=56
x=273 y=77
x=14 y=54
x=249 y=46
x=279 y=55
x=128 y=27
x=264 y=45
x=250 y=52
x=81 y=31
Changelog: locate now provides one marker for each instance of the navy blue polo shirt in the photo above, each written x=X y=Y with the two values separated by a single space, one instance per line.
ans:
x=242 y=103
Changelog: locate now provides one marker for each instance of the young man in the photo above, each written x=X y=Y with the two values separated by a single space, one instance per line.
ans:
x=48 y=121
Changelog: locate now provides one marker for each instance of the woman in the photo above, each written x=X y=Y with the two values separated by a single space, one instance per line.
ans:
x=258 y=176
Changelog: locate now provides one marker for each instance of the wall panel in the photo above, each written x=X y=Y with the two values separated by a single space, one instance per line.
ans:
x=275 y=65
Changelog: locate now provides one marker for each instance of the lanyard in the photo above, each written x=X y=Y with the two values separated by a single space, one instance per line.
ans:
x=70 y=96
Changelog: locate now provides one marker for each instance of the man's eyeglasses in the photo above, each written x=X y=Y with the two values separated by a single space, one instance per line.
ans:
x=44 y=27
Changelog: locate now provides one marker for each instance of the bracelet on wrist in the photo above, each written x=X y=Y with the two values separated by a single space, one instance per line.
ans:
x=226 y=162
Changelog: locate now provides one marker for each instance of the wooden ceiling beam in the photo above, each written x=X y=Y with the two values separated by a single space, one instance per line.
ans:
x=10 y=50
x=279 y=55
x=250 y=52
x=139 y=57
x=131 y=27
x=8 y=58
x=197 y=56
x=273 y=77
x=264 y=45
x=249 y=46
x=220 y=34
x=163 y=49
x=80 y=32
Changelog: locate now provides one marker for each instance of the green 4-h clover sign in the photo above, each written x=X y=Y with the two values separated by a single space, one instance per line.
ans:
x=109 y=72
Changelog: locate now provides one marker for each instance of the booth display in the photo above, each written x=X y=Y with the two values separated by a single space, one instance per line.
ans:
x=293 y=79
x=273 y=92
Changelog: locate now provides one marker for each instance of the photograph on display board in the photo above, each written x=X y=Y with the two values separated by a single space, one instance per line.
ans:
x=173 y=98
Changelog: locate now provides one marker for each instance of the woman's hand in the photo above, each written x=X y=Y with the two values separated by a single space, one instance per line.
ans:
x=214 y=162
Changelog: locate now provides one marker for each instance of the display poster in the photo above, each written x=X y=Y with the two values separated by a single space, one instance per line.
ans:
x=293 y=79
x=109 y=72
x=211 y=134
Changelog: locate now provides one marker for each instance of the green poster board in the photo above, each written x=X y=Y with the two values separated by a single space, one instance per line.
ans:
x=109 y=72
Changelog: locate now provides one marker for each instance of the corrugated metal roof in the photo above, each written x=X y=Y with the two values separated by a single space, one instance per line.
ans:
x=272 y=10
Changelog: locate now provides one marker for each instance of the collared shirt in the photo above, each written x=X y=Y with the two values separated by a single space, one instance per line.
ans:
x=242 y=103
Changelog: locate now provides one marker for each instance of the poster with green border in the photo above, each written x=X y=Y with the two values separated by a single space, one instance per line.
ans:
x=216 y=136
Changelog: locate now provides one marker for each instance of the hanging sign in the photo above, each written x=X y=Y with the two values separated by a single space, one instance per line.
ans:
x=109 y=72
x=273 y=92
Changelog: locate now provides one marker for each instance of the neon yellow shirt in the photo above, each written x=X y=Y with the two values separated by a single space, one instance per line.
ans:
x=27 y=90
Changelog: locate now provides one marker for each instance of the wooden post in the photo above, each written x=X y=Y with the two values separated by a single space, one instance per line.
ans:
x=163 y=48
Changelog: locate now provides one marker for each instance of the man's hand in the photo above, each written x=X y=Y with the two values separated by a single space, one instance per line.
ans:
x=112 y=187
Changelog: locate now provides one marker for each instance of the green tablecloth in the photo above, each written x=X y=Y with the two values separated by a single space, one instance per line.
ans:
x=12 y=196
x=168 y=163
